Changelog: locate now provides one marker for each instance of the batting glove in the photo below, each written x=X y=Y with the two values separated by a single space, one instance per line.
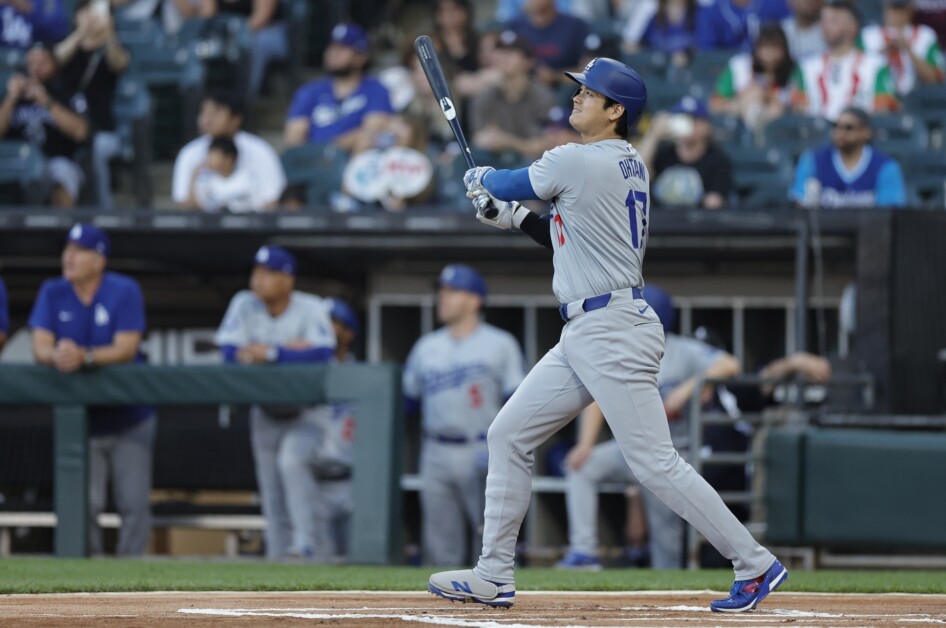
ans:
x=509 y=214
x=473 y=179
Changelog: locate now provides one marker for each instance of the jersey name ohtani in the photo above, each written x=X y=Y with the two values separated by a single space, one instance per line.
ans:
x=632 y=168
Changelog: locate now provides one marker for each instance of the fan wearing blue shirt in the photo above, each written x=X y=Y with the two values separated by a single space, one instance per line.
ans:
x=849 y=173
x=558 y=39
x=4 y=314
x=87 y=318
x=735 y=23
x=346 y=108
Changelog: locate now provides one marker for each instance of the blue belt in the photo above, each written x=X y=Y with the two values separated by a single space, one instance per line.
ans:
x=594 y=303
x=453 y=440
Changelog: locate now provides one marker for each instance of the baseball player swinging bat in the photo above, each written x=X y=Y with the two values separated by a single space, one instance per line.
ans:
x=424 y=48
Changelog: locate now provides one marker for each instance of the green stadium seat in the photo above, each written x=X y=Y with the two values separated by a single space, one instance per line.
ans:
x=22 y=173
x=795 y=134
x=898 y=133
x=928 y=102
x=132 y=109
x=761 y=176
x=317 y=168
x=703 y=69
x=647 y=63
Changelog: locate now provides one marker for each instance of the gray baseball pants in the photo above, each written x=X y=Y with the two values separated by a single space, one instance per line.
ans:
x=451 y=500
x=611 y=355
x=664 y=527
x=125 y=459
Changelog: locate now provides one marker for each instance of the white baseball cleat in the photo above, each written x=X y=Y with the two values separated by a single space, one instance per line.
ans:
x=465 y=586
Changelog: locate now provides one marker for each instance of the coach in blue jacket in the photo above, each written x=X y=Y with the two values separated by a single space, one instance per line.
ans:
x=87 y=318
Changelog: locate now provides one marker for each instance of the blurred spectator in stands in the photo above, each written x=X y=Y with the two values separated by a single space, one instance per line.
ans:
x=273 y=324
x=671 y=30
x=514 y=115
x=26 y=22
x=735 y=23
x=345 y=106
x=4 y=314
x=89 y=318
x=686 y=166
x=933 y=14
x=588 y=10
x=912 y=51
x=221 y=115
x=803 y=28
x=849 y=172
x=91 y=60
x=825 y=84
x=685 y=362
x=217 y=185
x=755 y=86
x=40 y=110
x=557 y=39
x=270 y=35
x=460 y=44
x=637 y=15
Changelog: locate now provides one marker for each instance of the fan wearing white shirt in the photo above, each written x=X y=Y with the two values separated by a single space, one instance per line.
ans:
x=222 y=115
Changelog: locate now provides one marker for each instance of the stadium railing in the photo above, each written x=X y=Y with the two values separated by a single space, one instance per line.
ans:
x=374 y=391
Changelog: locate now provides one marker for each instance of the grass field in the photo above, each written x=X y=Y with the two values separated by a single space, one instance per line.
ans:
x=50 y=575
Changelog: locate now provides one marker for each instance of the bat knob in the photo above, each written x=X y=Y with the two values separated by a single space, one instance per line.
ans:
x=490 y=212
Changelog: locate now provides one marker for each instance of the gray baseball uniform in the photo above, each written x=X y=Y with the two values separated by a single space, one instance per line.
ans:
x=462 y=384
x=282 y=437
x=683 y=358
x=609 y=351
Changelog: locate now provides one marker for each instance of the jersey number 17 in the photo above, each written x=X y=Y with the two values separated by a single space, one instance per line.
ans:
x=633 y=197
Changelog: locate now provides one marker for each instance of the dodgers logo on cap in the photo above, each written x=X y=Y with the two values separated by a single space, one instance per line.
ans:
x=89 y=237
x=276 y=258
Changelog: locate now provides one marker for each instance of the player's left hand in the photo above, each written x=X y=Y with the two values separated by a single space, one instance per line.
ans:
x=473 y=179
x=68 y=357
x=509 y=213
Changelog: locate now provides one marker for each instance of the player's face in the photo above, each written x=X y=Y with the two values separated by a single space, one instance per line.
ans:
x=344 y=335
x=589 y=115
x=850 y=133
x=270 y=285
x=837 y=26
x=455 y=305
x=80 y=264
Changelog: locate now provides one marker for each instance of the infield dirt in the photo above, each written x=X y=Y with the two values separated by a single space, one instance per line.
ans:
x=390 y=609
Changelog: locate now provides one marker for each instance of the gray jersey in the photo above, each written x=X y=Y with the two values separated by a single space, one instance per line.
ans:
x=337 y=422
x=247 y=321
x=683 y=358
x=600 y=204
x=463 y=382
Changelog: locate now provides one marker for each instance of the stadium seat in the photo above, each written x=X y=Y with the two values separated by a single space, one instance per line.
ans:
x=11 y=59
x=647 y=63
x=928 y=102
x=22 y=173
x=730 y=130
x=317 y=168
x=703 y=69
x=662 y=94
x=795 y=134
x=297 y=18
x=450 y=189
x=899 y=133
x=132 y=109
x=761 y=176
x=925 y=179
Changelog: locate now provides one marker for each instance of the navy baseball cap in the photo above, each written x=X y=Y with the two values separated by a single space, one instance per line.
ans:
x=344 y=314
x=350 y=35
x=693 y=107
x=89 y=237
x=662 y=305
x=276 y=258
x=462 y=277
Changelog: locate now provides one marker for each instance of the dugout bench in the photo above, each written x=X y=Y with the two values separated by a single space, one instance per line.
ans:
x=374 y=390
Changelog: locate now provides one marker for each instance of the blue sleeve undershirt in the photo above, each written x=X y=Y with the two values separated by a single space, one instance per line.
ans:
x=510 y=185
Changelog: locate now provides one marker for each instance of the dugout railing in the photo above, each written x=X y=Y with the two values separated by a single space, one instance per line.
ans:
x=373 y=390
x=798 y=409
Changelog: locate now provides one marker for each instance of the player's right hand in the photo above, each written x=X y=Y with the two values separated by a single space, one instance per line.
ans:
x=473 y=179
x=576 y=457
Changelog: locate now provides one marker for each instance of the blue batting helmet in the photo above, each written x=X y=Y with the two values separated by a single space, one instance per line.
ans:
x=663 y=306
x=344 y=314
x=462 y=277
x=616 y=81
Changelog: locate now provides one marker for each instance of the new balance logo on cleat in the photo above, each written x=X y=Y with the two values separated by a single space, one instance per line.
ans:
x=465 y=586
